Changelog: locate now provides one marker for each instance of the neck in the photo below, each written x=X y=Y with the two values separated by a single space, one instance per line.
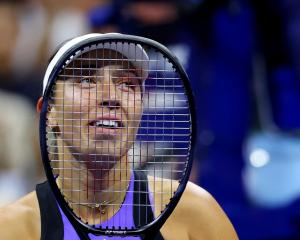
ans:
x=90 y=188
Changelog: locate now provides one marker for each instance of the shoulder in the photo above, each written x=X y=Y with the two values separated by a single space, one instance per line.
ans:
x=197 y=215
x=203 y=215
x=21 y=219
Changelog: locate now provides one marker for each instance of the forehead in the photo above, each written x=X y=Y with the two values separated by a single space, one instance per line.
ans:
x=91 y=62
x=100 y=58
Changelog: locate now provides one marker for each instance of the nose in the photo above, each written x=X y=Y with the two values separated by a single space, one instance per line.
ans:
x=111 y=104
x=109 y=97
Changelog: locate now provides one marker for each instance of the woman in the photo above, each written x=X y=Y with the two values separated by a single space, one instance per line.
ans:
x=93 y=121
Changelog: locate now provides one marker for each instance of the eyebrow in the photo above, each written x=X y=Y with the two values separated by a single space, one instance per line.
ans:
x=90 y=70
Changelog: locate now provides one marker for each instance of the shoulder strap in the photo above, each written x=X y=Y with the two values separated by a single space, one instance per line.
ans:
x=142 y=211
x=51 y=221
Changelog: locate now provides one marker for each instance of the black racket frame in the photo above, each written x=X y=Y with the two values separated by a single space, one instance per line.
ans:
x=82 y=229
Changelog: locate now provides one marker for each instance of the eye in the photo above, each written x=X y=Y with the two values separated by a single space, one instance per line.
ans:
x=128 y=81
x=127 y=86
x=86 y=82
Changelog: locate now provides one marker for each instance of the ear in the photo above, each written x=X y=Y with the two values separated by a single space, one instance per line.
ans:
x=39 y=105
x=52 y=120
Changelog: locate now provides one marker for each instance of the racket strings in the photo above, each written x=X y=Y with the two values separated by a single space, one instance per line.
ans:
x=107 y=121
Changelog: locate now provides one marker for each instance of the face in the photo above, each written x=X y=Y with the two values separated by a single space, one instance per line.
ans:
x=97 y=107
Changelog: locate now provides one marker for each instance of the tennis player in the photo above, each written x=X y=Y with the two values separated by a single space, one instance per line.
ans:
x=108 y=113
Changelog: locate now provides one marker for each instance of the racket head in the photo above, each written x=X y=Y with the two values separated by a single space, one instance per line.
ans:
x=161 y=140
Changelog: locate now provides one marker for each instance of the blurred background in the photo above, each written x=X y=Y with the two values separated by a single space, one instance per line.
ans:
x=243 y=59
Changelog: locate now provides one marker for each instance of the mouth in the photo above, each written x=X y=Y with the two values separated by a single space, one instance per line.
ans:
x=112 y=124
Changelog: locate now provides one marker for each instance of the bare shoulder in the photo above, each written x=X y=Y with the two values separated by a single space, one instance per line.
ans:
x=205 y=217
x=197 y=215
x=21 y=219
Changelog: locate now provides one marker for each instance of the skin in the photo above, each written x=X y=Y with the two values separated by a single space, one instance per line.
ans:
x=197 y=215
x=101 y=153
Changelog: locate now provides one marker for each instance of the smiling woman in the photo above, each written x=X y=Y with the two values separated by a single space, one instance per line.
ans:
x=93 y=115
x=95 y=110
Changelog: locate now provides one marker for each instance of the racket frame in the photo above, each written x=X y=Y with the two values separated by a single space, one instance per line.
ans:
x=152 y=228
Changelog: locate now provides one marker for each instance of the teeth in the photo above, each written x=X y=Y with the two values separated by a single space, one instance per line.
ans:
x=107 y=123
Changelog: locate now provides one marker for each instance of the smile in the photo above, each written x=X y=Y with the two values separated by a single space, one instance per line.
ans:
x=106 y=124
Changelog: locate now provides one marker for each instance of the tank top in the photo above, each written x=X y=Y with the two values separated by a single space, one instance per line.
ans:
x=135 y=210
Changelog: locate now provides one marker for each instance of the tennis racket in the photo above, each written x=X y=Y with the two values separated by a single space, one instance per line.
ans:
x=117 y=131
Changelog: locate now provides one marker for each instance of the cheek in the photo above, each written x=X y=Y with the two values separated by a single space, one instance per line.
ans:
x=135 y=112
x=68 y=108
x=78 y=101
